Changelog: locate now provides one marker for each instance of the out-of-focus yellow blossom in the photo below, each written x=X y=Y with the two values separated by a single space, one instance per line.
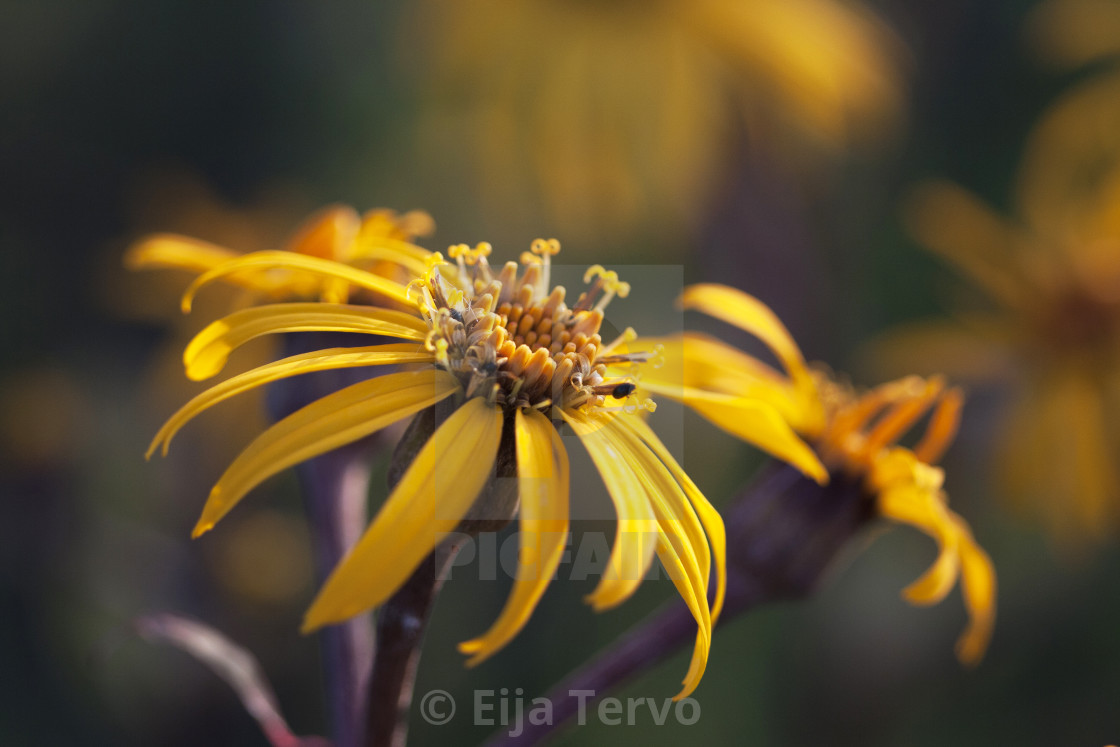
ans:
x=378 y=240
x=1052 y=273
x=1053 y=277
x=505 y=354
x=620 y=113
x=1072 y=33
x=854 y=434
x=335 y=232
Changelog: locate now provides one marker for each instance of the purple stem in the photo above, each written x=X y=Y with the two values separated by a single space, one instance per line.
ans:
x=335 y=487
x=783 y=530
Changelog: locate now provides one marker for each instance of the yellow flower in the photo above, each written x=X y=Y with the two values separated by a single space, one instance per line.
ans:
x=622 y=113
x=1054 y=332
x=337 y=233
x=1051 y=272
x=851 y=433
x=514 y=360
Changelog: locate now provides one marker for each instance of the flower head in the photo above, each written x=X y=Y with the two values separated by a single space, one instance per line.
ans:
x=502 y=350
x=847 y=433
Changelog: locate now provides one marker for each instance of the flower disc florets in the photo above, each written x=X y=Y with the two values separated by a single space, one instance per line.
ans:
x=508 y=336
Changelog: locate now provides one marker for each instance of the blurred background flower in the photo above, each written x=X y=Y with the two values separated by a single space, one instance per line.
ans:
x=1051 y=337
x=618 y=117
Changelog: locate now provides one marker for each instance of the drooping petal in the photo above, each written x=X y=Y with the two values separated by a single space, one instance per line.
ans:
x=942 y=427
x=675 y=516
x=431 y=498
x=207 y=353
x=681 y=547
x=669 y=552
x=543 y=479
x=925 y=511
x=317 y=360
x=901 y=415
x=636 y=536
x=978 y=584
x=267 y=260
x=751 y=315
x=329 y=422
x=754 y=421
x=710 y=519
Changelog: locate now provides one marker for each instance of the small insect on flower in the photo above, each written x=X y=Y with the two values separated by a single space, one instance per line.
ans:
x=501 y=349
x=622 y=391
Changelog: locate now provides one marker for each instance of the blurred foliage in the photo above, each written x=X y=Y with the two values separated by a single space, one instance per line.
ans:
x=288 y=103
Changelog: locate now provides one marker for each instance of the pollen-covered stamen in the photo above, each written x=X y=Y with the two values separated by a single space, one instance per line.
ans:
x=607 y=282
x=513 y=340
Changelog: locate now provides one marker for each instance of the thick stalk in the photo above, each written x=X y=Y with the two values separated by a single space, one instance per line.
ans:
x=783 y=530
x=402 y=620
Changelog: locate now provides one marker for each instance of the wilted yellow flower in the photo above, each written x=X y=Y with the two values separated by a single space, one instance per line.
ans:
x=621 y=113
x=853 y=434
x=513 y=360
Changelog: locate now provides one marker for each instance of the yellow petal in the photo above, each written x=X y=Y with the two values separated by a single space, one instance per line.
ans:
x=901 y=415
x=924 y=510
x=700 y=362
x=942 y=428
x=174 y=252
x=681 y=547
x=955 y=224
x=675 y=517
x=208 y=351
x=329 y=422
x=287 y=260
x=681 y=571
x=318 y=360
x=753 y=421
x=327 y=234
x=635 y=537
x=433 y=495
x=709 y=517
x=978 y=582
x=542 y=478
x=748 y=313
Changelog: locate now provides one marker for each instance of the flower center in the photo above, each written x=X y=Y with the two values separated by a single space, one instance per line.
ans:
x=511 y=339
